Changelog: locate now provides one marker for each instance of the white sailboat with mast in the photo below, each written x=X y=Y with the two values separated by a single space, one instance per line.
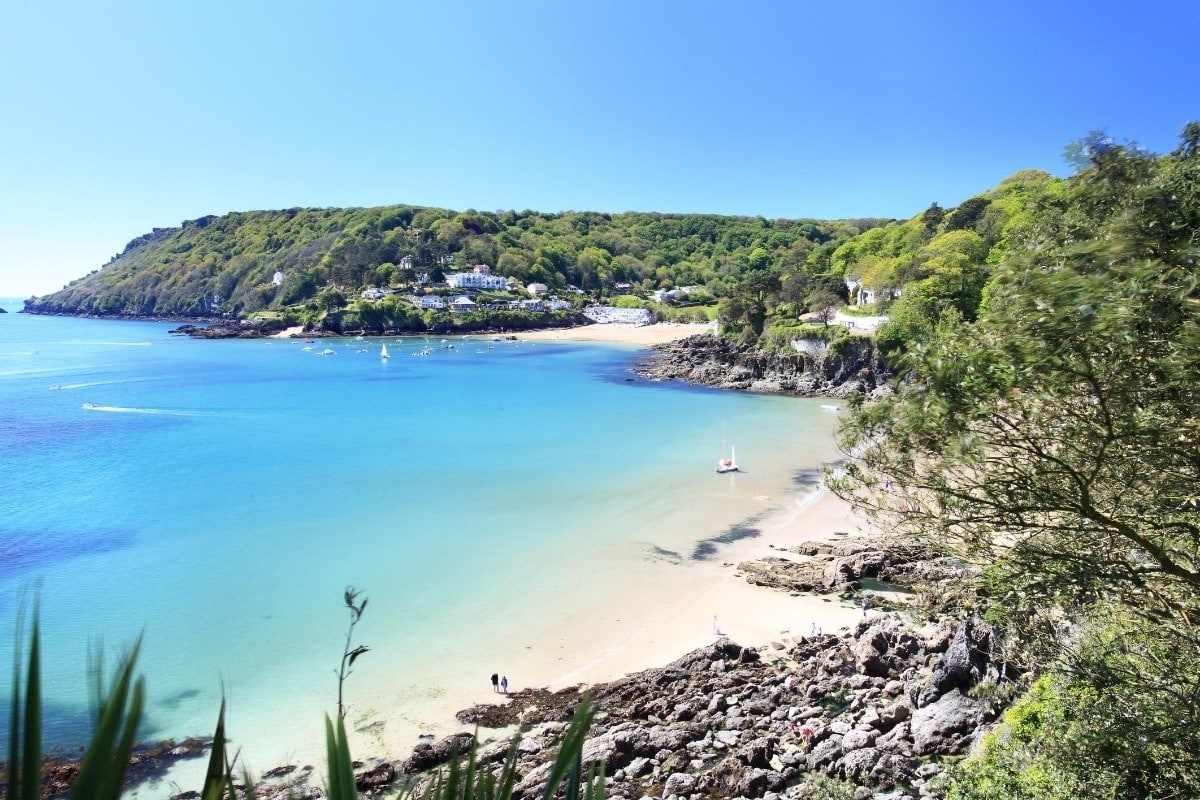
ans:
x=383 y=353
x=726 y=464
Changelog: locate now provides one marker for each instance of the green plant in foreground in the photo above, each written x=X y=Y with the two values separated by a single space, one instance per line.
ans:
x=102 y=771
x=105 y=761
x=471 y=781
x=106 y=758
x=349 y=654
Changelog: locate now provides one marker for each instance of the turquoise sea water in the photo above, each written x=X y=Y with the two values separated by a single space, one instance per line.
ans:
x=215 y=498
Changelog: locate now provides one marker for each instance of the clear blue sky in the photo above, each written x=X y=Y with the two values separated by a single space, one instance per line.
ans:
x=123 y=116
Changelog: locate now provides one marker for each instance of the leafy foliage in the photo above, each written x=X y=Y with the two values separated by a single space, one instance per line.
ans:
x=228 y=264
x=1054 y=442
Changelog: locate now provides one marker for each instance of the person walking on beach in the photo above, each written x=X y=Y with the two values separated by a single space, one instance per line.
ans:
x=504 y=685
x=495 y=682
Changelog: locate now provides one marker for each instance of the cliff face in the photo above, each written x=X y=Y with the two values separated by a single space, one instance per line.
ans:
x=812 y=368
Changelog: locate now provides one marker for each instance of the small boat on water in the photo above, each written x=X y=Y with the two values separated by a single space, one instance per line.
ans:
x=327 y=352
x=831 y=408
x=727 y=464
x=383 y=353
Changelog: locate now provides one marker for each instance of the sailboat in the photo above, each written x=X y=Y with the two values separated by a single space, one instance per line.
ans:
x=383 y=353
x=727 y=464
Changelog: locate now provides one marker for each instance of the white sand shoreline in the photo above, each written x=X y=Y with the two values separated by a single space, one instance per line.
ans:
x=612 y=333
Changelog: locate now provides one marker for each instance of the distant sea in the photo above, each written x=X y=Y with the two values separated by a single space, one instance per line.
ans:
x=215 y=498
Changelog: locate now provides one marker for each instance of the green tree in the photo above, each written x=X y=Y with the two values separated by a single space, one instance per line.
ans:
x=825 y=303
x=1055 y=443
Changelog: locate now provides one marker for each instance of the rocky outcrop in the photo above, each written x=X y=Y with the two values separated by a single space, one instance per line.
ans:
x=851 y=366
x=229 y=329
x=840 y=566
x=878 y=706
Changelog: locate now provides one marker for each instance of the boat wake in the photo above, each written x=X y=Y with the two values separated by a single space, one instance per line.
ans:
x=166 y=412
x=65 y=386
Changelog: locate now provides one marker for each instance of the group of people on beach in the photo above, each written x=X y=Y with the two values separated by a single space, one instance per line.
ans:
x=499 y=683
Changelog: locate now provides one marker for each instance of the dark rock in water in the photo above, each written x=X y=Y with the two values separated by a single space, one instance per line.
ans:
x=375 y=780
x=230 y=329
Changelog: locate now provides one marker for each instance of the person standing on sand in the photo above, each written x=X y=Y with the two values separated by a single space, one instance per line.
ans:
x=495 y=682
x=504 y=685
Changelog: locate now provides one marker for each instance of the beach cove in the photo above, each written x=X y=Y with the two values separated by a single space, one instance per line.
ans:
x=564 y=554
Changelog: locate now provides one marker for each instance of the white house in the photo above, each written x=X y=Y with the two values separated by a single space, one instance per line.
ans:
x=462 y=303
x=480 y=277
x=375 y=294
x=537 y=288
x=557 y=304
x=425 y=301
x=277 y=278
x=667 y=295
x=866 y=296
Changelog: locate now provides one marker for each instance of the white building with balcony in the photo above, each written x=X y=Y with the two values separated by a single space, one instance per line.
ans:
x=480 y=277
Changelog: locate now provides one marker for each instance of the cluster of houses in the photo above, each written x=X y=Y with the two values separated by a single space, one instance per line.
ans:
x=479 y=277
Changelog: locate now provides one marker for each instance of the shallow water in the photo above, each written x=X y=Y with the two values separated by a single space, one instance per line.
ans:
x=215 y=498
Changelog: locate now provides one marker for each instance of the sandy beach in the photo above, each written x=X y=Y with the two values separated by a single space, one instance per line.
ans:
x=635 y=632
x=619 y=334
x=612 y=333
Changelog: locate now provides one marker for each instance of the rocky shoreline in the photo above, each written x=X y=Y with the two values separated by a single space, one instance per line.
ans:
x=811 y=368
x=882 y=707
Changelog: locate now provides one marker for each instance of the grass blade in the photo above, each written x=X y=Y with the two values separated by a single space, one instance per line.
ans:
x=30 y=783
x=215 y=776
x=107 y=757
x=341 y=769
x=571 y=750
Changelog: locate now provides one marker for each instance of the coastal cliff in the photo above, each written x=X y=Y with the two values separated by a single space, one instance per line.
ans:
x=808 y=368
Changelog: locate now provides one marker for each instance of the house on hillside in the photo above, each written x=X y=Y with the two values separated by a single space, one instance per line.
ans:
x=537 y=288
x=428 y=301
x=480 y=277
x=462 y=303
x=863 y=295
